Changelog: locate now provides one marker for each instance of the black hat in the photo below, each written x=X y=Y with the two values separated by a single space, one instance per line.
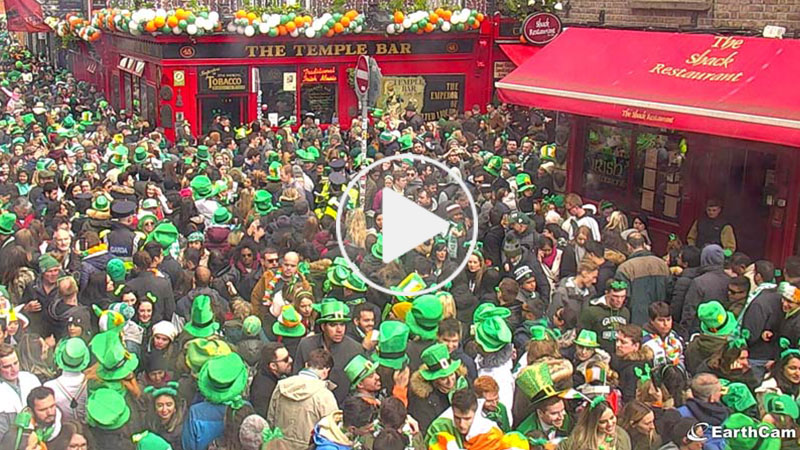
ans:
x=337 y=165
x=337 y=178
x=122 y=208
x=523 y=273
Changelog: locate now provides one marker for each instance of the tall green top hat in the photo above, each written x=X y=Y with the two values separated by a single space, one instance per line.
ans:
x=7 y=223
x=405 y=142
x=202 y=322
x=332 y=310
x=424 y=317
x=116 y=363
x=392 y=345
x=438 y=363
x=274 y=171
x=72 y=355
x=492 y=334
x=587 y=338
x=494 y=165
x=202 y=187
x=223 y=379
x=140 y=155
x=309 y=154
x=535 y=382
x=202 y=153
x=107 y=409
x=358 y=369
x=715 y=320
x=262 y=202
x=524 y=182
x=165 y=233
x=376 y=249
x=289 y=323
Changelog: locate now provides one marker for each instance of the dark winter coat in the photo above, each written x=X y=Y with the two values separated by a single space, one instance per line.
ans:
x=680 y=287
x=700 y=348
x=261 y=389
x=648 y=279
x=147 y=282
x=425 y=402
x=711 y=284
x=600 y=318
x=763 y=314
x=625 y=368
x=790 y=327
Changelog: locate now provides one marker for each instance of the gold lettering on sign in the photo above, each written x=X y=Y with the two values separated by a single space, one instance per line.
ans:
x=710 y=57
x=319 y=75
x=638 y=114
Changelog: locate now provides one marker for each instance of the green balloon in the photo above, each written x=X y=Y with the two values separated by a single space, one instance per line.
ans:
x=360 y=19
x=166 y=29
x=204 y=14
x=460 y=27
x=284 y=19
x=422 y=23
x=273 y=32
x=182 y=24
x=325 y=29
x=337 y=16
x=292 y=16
x=191 y=19
x=440 y=22
x=413 y=28
x=331 y=23
x=353 y=25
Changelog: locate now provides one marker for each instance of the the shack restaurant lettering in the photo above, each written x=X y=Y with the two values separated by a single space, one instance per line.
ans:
x=541 y=28
x=223 y=79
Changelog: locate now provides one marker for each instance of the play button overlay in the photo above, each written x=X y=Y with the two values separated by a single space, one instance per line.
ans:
x=407 y=225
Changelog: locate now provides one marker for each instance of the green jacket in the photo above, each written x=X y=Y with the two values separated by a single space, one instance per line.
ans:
x=600 y=318
x=531 y=423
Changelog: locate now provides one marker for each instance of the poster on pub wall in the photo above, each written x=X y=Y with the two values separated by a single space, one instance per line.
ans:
x=25 y=15
x=439 y=95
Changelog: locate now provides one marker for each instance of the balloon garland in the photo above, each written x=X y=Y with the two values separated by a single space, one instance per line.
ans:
x=445 y=20
x=75 y=25
x=296 y=25
x=158 y=21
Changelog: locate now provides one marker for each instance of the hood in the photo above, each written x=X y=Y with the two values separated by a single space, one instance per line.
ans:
x=644 y=353
x=614 y=256
x=218 y=235
x=712 y=255
x=423 y=388
x=691 y=272
x=300 y=387
x=328 y=434
x=710 y=413
x=710 y=343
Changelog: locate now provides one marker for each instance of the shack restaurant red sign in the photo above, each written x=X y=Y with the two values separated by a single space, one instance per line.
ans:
x=541 y=28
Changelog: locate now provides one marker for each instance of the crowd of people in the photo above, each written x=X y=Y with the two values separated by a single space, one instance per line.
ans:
x=190 y=294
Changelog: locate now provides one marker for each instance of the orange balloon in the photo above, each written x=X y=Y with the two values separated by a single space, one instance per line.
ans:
x=338 y=28
x=251 y=17
x=159 y=21
x=282 y=30
x=172 y=21
x=433 y=17
x=446 y=14
x=439 y=11
x=330 y=33
x=290 y=26
x=428 y=27
x=299 y=21
x=179 y=13
x=480 y=17
x=398 y=17
x=476 y=25
x=345 y=21
x=150 y=27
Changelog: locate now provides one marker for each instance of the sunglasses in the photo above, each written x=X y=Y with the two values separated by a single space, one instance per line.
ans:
x=272 y=260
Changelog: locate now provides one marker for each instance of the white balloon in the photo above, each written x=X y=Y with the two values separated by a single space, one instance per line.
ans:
x=249 y=31
x=390 y=28
x=176 y=30
x=200 y=22
x=317 y=25
x=263 y=28
x=465 y=12
x=446 y=26
x=231 y=27
x=294 y=33
x=149 y=14
x=359 y=29
x=209 y=25
x=161 y=12
x=326 y=17
x=240 y=29
x=310 y=33
x=274 y=20
x=407 y=22
x=191 y=29
x=213 y=16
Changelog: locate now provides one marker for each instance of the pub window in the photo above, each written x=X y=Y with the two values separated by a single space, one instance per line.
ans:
x=115 y=91
x=607 y=162
x=318 y=93
x=657 y=180
x=279 y=91
x=128 y=91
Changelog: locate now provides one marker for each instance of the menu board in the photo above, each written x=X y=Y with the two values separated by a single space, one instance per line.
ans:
x=434 y=96
x=320 y=99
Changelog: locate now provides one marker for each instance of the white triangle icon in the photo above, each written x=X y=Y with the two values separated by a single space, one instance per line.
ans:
x=406 y=225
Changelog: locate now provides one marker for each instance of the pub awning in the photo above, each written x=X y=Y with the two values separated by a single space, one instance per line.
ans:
x=519 y=53
x=740 y=87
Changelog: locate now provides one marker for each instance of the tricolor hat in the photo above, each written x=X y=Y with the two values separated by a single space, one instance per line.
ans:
x=789 y=292
x=289 y=323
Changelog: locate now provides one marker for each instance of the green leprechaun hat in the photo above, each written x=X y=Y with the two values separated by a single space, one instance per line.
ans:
x=524 y=182
x=737 y=396
x=405 y=142
x=715 y=320
x=262 y=202
x=492 y=334
x=289 y=323
x=72 y=355
x=165 y=233
x=587 y=338
x=392 y=344
x=782 y=404
x=424 y=317
x=377 y=248
x=536 y=383
x=202 y=187
x=494 y=165
x=251 y=326
x=201 y=323
x=116 y=363
x=274 y=171
x=221 y=216
x=355 y=283
x=309 y=154
x=358 y=369
x=202 y=153
x=337 y=274
x=331 y=310
x=487 y=311
x=140 y=155
x=200 y=350
x=413 y=282
x=437 y=362
x=107 y=409
x=749 y=440
x=8 y=223
x=223 y=379
x=147 y=440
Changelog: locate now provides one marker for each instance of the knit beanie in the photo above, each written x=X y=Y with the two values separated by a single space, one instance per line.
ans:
x=712 y=255
x=115 y=269
x=47 y=262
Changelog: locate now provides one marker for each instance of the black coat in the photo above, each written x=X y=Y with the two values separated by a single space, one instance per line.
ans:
x=425 y=402
x=261 y=389
x=161 y=288
x=679 y=289
x=342 y=353
x=712 y=284
x=763 y=314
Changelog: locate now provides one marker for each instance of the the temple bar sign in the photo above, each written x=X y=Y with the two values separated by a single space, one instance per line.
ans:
x=291 y=49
